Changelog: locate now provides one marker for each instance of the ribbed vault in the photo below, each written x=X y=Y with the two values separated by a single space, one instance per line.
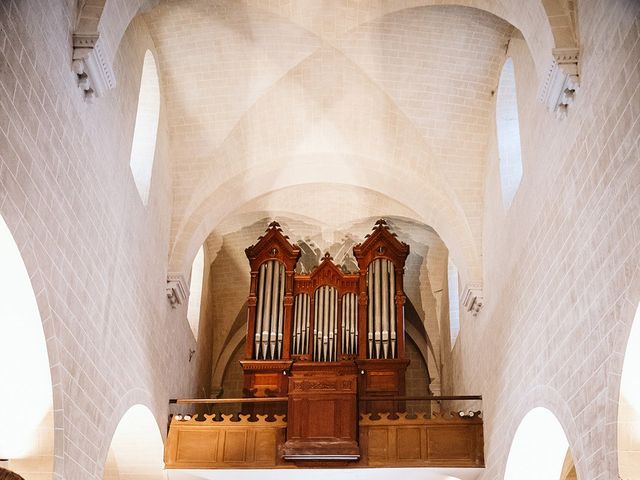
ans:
x=276 y=98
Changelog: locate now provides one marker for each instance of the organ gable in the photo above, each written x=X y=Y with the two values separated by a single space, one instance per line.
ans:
x=273 y=245
x=381 y=243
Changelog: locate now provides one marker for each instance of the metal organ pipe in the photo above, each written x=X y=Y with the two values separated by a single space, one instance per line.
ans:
x=382 y=310
x=392 y=307
x=377 y=319
x=385 y=307
x=270 y=311
x=370 y=311
x=305 y=331
x=325 y=337
x=281 y=310
x=349 y=324
x=354 y=325
x=260 y=298
x=332 y=319
x=267 y=309
x=275 y=287
x=301 y=324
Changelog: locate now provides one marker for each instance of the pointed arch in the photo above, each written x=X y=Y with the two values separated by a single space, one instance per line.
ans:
x=539 y=448
x=26 y=392
x=136 y=449
x=629 y=407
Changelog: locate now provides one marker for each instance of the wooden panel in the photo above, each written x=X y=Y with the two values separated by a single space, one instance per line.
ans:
x=408 y=443
x=194 y=445
x=403 y=441
x=378 y=444
x=422 y=440
x=265 y=445
x=224 y=443
x=450 y=443
x=235 y=446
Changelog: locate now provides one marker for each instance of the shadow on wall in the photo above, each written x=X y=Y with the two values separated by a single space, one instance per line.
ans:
x=539 y=449
x=26 y=399
x=629 y=407
x=136 y=450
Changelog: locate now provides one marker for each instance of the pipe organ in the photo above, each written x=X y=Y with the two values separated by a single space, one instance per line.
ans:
x=326 y=337
x=269 y=311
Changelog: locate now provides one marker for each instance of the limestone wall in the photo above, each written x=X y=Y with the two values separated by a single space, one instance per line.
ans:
x=561 y=279
x=97 y=257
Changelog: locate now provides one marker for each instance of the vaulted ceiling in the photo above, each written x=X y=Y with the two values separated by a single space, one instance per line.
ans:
x=393 y=99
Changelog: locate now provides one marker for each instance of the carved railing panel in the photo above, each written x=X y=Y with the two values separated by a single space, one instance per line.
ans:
x=224 y=442
x=404 y=440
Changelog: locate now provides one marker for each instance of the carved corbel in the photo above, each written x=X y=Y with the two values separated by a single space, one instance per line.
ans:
x=90 y=64
x=472 y=298
x=177 y=289
x=561 y=82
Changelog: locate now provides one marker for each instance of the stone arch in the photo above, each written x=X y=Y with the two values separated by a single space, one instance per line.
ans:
x=221 y=364
x=549 y=399
x=136 y=448
x=432 y=209
x=133 y=397
x=563 y=20
x=133 y=444
x=27 y=354
x=629 y=407
x=538 y=449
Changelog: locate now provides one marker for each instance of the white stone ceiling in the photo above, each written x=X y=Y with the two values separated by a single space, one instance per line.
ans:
x=263 y=96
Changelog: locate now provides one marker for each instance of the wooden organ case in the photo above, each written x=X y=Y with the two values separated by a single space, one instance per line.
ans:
x=326 y=338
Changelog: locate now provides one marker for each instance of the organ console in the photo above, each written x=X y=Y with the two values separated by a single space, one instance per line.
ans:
x=326 y=337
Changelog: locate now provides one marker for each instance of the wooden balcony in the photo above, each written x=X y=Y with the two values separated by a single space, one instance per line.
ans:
x=223 y=441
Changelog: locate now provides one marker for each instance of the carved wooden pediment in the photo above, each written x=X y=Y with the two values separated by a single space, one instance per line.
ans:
x=381 y=243
x=273 y=245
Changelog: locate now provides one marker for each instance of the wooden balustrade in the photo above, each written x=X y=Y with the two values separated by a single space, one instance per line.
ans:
x=431 y=439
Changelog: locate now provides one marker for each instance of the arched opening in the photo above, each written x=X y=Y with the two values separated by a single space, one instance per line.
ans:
x=136 y=449
x=454 y=301
x=145 y=131
x=26 y=398
x=195 y=292
x=508 y=130
x=539 y=448
x=629 y=407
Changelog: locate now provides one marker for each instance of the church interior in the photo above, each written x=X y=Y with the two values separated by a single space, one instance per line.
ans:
x=273 y=239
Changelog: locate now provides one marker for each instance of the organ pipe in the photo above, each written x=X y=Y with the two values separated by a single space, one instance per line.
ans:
x=392 y=309
x=305 y=331
x=381 y=291
x=370 y=316
x=349 y=324
x=269 y=311
x=385 y=307
x=301 y=324
x=326 y=336
x=327 y=298
x=280 y=310
x=260 y=297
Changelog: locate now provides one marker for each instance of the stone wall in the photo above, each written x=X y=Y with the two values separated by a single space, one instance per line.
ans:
x=95 y=254
x=561 y=281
